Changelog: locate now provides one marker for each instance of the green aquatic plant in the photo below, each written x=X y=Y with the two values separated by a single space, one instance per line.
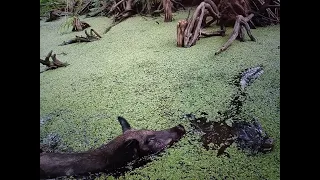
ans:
x=137 y=71
x=67 y=25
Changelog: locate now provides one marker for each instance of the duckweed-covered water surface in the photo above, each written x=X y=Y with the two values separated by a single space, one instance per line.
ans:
x=136 y=71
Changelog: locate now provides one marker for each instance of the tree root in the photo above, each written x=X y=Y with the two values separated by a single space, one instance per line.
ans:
x=121 y=9
x=192 y=32
x=79 y=25
x=235 y=11
x=54 y=64
x=215 y=33
x=241 y=22
x=181 y=26
x=85 y=8
x=89 y=38
x=167 y=4
x=266 y=12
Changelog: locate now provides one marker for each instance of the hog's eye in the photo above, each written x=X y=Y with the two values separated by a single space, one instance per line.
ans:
x=150 y=140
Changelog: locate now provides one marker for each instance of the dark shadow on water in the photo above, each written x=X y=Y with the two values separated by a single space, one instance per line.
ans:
x=228 y=126
x=249 y=136
x=115 y=173
x=217 y=136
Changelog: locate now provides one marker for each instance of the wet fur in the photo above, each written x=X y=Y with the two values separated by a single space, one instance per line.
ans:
x=129 y=146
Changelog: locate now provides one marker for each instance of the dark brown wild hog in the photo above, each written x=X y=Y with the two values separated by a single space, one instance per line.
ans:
x=131 y=145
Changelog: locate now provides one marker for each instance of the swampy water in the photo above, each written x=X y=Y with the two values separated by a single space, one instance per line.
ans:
x=136 y=71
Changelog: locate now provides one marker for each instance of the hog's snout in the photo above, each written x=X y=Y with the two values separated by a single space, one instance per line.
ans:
x=179 y=129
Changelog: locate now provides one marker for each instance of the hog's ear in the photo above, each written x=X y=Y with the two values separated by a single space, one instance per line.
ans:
x=42 y=174
x=124 y=124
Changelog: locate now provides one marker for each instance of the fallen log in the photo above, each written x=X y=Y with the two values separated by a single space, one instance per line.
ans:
x=54 y=64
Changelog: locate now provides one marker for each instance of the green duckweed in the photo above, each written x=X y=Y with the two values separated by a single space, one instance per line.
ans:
x=136 y=71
